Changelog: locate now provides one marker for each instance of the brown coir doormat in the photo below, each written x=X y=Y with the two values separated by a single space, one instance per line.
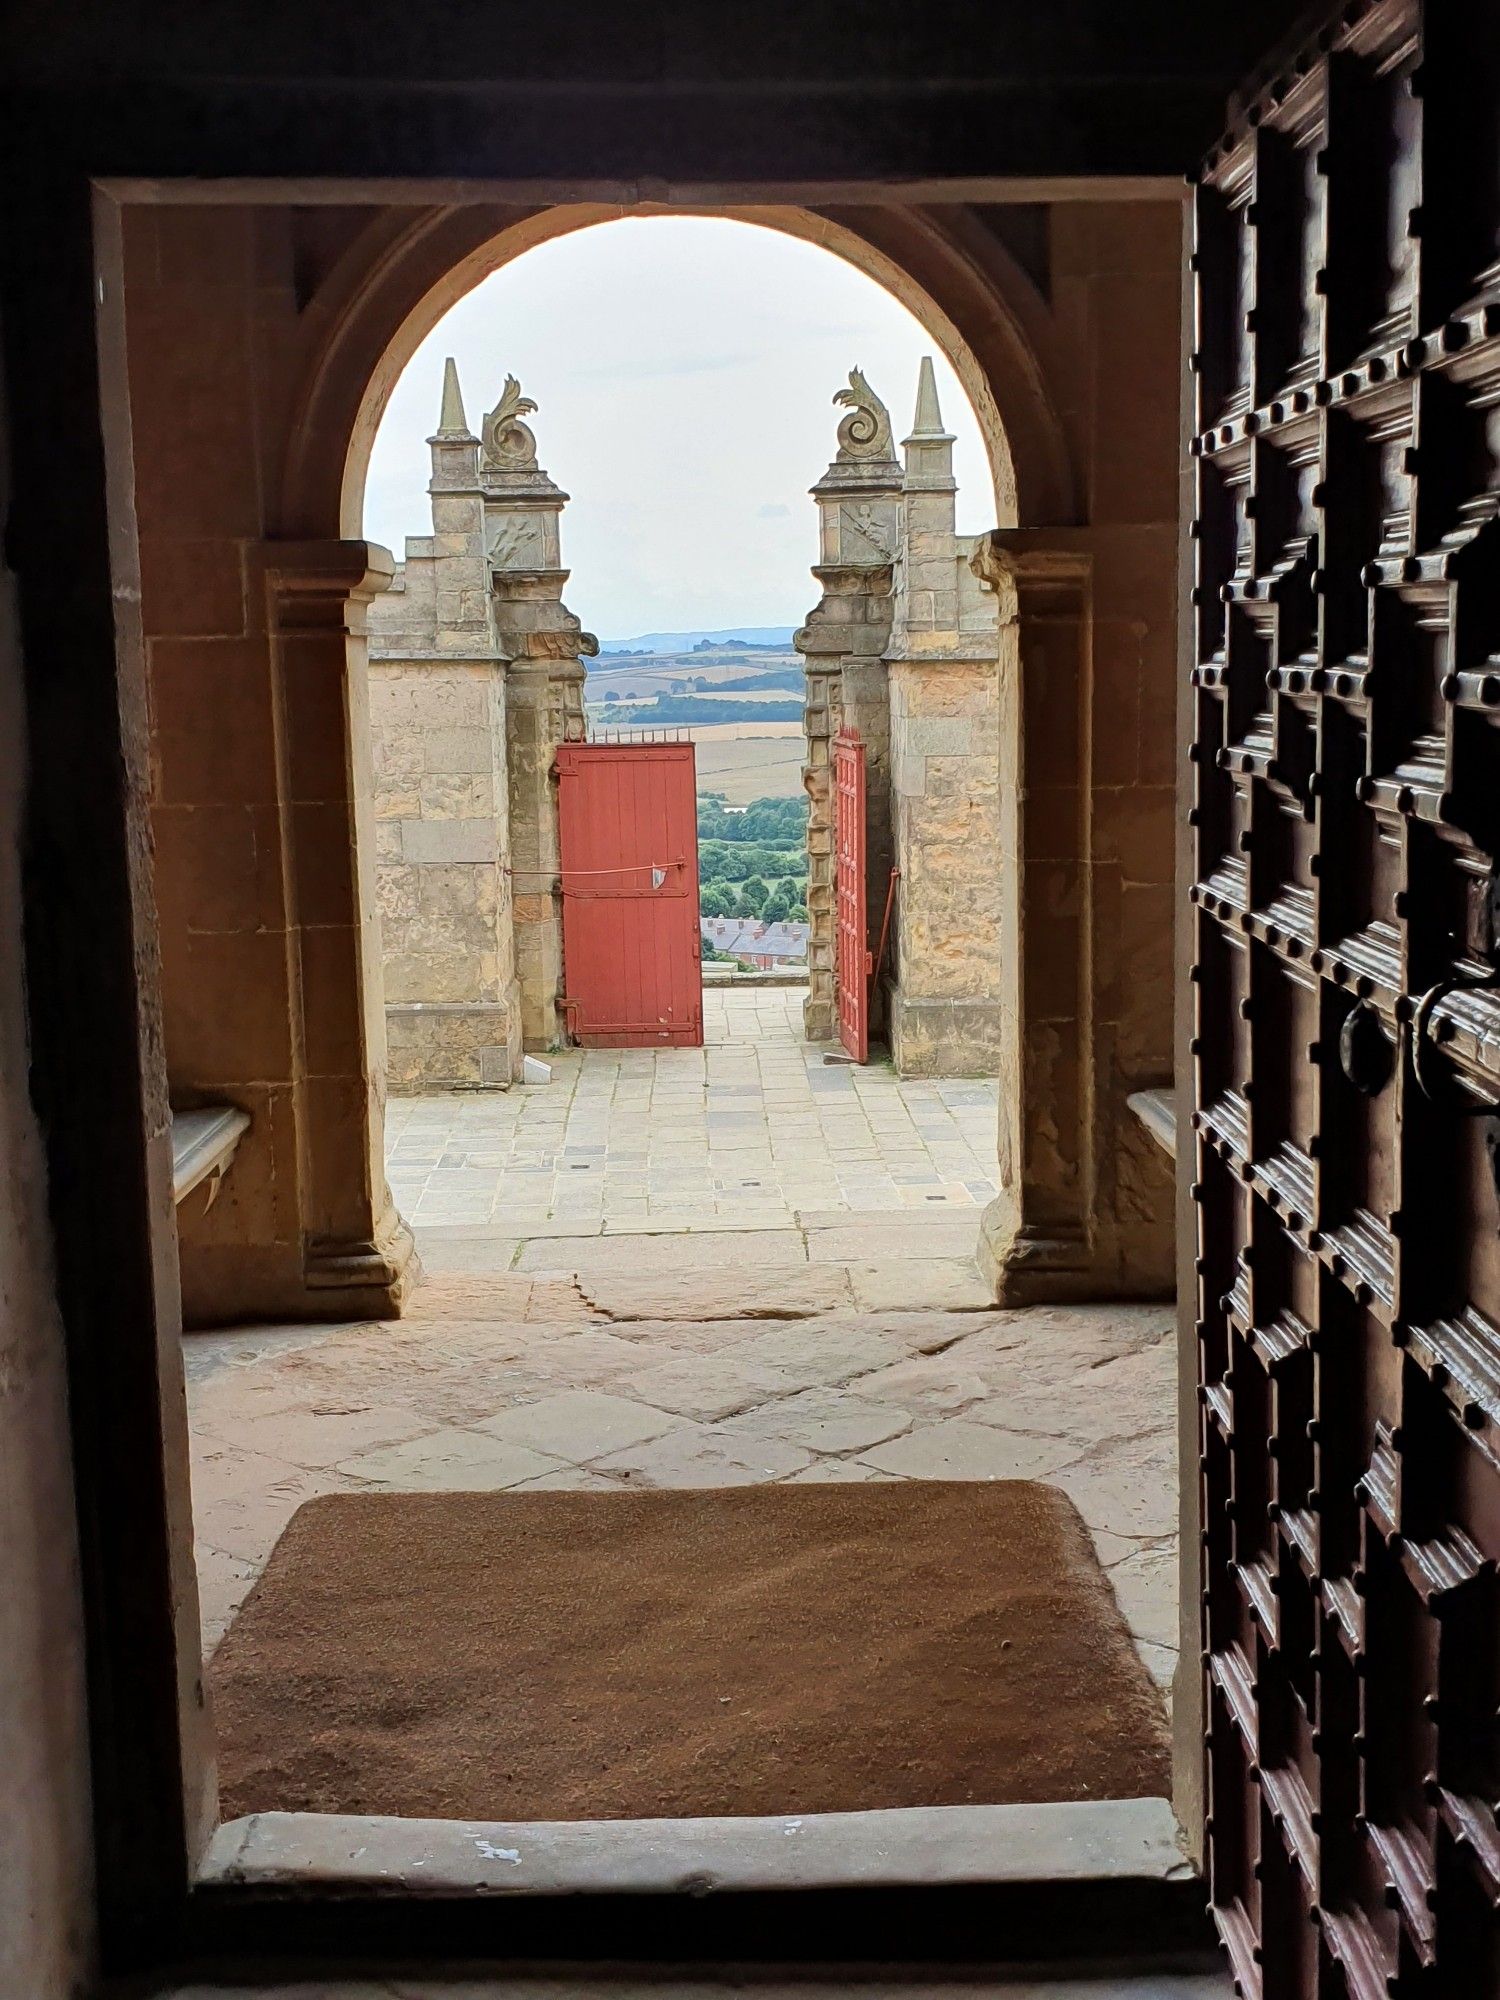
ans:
x=757 y=1649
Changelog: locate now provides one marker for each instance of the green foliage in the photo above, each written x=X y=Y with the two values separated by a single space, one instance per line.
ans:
x=773 y=822
x=753 y=863
x=791 y=678
x=778 y=904
x=733 y=861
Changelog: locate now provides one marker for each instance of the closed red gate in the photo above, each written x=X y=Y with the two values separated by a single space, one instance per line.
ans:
x=628 y=830
x=853 y=957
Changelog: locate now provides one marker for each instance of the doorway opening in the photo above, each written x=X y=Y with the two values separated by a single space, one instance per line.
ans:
x=873 y=1348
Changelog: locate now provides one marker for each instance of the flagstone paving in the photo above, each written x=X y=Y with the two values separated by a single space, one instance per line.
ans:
x=518 y=1382
x=696 y=1267
x=752 y=1131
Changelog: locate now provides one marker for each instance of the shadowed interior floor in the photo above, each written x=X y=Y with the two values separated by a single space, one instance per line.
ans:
x=555 y=1655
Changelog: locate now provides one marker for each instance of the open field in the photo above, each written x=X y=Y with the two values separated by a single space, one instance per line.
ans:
x=740 y=732
x=746 y=762
x=649 y=674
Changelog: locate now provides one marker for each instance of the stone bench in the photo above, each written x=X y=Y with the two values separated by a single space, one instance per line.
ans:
x=1157 y=1111
x=203 y=1144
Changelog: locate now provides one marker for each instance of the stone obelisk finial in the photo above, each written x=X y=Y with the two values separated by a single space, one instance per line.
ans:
x=929 y=449
x=454 y=447
x=928 y=421
x=451 y=420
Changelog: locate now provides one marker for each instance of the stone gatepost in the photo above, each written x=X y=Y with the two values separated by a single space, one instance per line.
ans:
x=544 y=648
x=438 y=713
x=843 y=646
x=942 y=663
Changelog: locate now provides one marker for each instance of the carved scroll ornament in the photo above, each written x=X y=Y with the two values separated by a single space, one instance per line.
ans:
x=509 y=444
x=866 y=431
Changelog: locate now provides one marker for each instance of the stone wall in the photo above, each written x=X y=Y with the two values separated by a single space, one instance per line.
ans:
x=945 y=776
x=442 y=845
x=945 y=798
x=475 y=679
x=261 y=791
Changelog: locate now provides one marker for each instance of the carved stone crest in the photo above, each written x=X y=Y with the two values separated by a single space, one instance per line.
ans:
x=518 y=544
x=866 y=431
x=509 y=445
x=866 y=535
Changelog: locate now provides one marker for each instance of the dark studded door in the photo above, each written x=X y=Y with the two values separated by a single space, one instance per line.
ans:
x=1345 y=946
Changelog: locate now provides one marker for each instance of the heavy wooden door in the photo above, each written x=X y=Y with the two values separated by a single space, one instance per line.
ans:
x=853 y=955
x=1347 y=1039
x=628 y=830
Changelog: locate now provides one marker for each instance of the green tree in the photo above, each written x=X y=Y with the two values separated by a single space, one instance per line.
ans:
x=778 y=905
x=716 y=899
x=752 y=896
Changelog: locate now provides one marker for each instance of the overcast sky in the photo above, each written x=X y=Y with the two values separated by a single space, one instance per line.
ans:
x=683 y=369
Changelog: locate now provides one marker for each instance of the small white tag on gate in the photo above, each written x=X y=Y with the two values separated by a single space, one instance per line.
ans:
x=658 y=876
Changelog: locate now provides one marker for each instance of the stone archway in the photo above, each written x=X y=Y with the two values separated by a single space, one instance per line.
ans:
x=248 y=483
x=396 y=282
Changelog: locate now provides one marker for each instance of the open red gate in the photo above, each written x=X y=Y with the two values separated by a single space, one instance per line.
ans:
x=628 y=832
x=853 y=957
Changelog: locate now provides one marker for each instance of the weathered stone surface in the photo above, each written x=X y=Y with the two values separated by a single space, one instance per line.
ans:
x=822 y=1352
x=750 y=1292
x=697 y=1455
x=1129 y=1487
x=450 y=1461
x=579 y=1425
x=707 y=1386
x=950 y=1283
x=464 y=1296
x=1146 y=1586
x=1113 y=1399
x=958 y=1449
x=822 y=1420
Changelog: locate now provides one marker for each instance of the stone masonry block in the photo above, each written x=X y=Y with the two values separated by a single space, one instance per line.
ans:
x=457 y=750
x=938 y=736
x=450 y=840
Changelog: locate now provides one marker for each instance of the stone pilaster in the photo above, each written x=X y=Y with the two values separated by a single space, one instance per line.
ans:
x=355 y=1248
x=843 y=646
x=544 y=647
x=1038 y=1235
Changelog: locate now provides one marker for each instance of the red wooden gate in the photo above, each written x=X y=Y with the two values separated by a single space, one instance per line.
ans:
x=628 y=830
x=853 y=957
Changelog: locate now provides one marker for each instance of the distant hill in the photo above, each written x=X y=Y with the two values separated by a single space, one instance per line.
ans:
x=680 y=642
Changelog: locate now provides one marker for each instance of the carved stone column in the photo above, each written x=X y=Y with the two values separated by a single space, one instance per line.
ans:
x=1037 y=1236
x=843 y=646
x=545 y=647
x=356 y=1251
